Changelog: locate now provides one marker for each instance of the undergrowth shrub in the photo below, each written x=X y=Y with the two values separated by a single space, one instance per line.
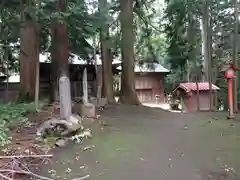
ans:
x=13 y=116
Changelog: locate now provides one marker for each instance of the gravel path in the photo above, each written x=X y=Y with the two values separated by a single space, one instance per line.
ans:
x=143 y=143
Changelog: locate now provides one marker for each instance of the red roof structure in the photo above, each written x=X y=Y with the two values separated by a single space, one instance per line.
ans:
x=191 y=86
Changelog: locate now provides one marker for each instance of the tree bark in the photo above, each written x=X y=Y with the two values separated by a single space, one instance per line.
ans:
x=207 y=49
x=204 y=31
x=6 y=59
x=97 y=83
x=128 y=93
x=29 y=56
x=210 y=50
x=235 y=56
x=60 y=51
x=193 y=54
x=37 y=87
x=107 y=74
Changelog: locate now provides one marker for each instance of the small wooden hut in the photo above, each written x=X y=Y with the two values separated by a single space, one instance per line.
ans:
x=149 y=82
x=188 y=94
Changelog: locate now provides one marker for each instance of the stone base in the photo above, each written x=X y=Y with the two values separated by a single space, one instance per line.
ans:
x=87 y=110
x=230 y=117
x=98 y=102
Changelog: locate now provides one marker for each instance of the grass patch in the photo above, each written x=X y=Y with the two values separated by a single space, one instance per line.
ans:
x=13 y=116
x=117 y=147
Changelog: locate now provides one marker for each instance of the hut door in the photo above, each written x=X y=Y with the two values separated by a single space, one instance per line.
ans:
x=145 y=95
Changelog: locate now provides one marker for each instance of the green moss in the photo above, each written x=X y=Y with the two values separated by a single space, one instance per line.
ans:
x=50 y=141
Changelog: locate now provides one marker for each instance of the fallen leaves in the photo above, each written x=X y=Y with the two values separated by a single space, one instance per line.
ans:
x=82 y=178
x=19 y=165
x=88 y=148
x=68 y=170
x=20 y=159
x=144 y=160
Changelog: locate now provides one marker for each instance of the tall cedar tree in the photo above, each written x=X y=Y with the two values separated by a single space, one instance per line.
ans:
x=60 y=50
x=128 y=93
x=235 y=54
x=106 y=59
x=29 y=54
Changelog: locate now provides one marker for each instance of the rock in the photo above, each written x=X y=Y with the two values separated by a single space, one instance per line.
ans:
x=61 y=142
x=76 y=119
x=60 y=128
x=185 y=127
x=87 y=110
x=44 y=128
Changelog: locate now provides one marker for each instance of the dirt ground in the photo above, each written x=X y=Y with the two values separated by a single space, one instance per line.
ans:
x=143 y=143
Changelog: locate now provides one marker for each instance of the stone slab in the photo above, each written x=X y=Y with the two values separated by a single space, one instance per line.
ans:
x=98 y=102
x=87 y=110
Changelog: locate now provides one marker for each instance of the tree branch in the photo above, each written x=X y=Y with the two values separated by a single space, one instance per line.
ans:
x=23 y=172
x=26 y=156
x=5 y=177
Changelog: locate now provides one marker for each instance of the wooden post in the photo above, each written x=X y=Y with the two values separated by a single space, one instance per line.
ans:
x=229 y=75
x=190 y=104
x=216 y=101
x=230 y=98
x=181 y=104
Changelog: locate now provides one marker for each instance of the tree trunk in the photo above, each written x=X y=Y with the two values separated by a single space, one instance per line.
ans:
x=6 y=56
x=205 y=47
x=37 y=82
x=107 y=74
x=210 y=50
x=193 y=53
x=235 y=57
x=188 y=71
x=60 y=51
x=29 y=56
x=97 y=90
x=198 y=99
x=128 y=93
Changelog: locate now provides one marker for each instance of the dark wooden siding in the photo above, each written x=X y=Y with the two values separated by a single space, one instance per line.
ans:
x=76 y=73
x=13 y=90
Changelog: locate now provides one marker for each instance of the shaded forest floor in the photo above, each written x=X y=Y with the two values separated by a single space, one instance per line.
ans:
x=149 y=143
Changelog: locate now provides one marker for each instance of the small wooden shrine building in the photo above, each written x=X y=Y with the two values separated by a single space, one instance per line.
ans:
x=188 y=94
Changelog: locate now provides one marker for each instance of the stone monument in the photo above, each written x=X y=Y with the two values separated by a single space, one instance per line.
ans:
x=70 y=124
x=85 y=87
x=87 y=108
x=65 y=98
